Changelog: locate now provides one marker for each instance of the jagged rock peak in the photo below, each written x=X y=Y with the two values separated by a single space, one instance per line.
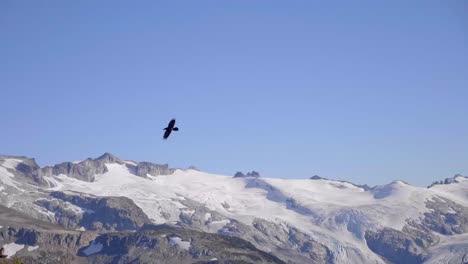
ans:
x=316 y=177
x=239 y=175
x=109 y=158
x=25 y=169
x=455 y=179
x=191 y=167
x=254 y=174
x=84 y=170
x=143 y=169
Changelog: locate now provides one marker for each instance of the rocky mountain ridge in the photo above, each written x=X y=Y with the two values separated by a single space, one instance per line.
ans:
x=292 y=221
x=41 y=242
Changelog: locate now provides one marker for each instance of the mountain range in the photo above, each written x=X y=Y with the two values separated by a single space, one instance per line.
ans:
x=111 y=210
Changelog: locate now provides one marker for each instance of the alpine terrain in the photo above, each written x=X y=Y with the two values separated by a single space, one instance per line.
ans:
x=110 y=210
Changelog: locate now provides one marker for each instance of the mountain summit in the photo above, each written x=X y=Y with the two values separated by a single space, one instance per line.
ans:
x=269 y=220
x=108 y=158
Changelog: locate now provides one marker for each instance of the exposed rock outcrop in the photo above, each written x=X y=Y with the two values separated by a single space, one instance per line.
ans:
x=94 y=213
x=143 y=169
x=39 y=242
x=454 y=179
x=253 y=174
x=86 y=170
x=446 y=217
x=408 y=246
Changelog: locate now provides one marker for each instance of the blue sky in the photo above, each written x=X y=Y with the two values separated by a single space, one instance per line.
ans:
x=367 y=92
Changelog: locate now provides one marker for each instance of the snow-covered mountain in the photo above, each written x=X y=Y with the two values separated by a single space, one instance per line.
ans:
x=297 y=220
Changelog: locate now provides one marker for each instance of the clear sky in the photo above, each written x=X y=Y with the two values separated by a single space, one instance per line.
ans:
x=369 y=91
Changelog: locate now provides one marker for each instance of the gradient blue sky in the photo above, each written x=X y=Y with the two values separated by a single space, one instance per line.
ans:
x=367 y=92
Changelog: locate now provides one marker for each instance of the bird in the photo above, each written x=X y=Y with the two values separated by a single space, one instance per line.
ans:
x=170 y=127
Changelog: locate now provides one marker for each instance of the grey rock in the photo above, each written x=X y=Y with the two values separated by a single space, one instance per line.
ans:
x=406 y=246
x=409 y=245
x=446 y=217
x=294 y=238
x=316 y=177
x=100 y=213
x=447 y=180
x=63 y=214
x=394 y=245
x=239 y=175
x=10 y=217
x=109 y=158
x=191 y=167
x=253 y=174
x=26 y=171
x=155 y=243
x=249 y=174
x=146 y=168
x=84 y=170
x=290 y=243
x=56 y=245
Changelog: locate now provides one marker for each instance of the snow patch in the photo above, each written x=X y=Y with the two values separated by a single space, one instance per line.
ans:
x=130 y=162
x=207 y=216
x=215 y=226
x=188 y=212
x=11 y=163
x=7 y=177
x=11 y=249
x=450 y=250
x=30 y=248
x=177 y=241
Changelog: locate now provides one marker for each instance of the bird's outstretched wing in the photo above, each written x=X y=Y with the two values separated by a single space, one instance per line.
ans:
x=171 y=124
x=167 y=133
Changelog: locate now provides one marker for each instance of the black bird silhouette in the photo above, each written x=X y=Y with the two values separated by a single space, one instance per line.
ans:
x=170 y=127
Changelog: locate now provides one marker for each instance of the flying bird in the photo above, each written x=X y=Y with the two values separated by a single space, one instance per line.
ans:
x=170 y=127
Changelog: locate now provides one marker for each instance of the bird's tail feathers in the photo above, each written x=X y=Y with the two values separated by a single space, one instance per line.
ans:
x=175 y=129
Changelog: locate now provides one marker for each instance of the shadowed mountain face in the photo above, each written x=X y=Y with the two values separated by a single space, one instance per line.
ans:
x=94 y=213
x=40 y=242
x=109 y=210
